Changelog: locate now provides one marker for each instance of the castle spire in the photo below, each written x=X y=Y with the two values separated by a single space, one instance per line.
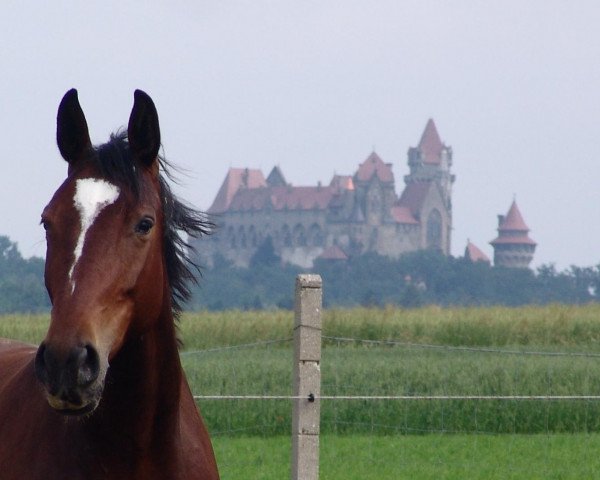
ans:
x=431 y=145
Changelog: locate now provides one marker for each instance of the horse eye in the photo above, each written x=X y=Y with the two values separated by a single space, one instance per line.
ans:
x=144 y=226
x=45 y=224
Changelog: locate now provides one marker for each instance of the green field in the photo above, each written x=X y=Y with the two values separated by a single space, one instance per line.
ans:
x=401 y=439
x=430 y=457
x=558 y=326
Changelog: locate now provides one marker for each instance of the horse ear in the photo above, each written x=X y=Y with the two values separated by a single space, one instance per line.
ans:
x=143 y=130
x=72 y=135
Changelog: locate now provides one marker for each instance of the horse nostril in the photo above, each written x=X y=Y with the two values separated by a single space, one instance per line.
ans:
x=80 y=369
x=41 y=371
x=88 y=363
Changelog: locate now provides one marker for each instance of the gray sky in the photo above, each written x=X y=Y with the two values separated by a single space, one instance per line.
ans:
x=314 y=86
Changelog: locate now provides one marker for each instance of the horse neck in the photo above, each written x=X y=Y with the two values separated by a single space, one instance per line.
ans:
x=143 y=385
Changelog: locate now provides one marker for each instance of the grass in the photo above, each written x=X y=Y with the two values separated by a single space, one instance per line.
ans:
x=393 y=439
x=431 y=457
x=558 y=326
x=356 y=369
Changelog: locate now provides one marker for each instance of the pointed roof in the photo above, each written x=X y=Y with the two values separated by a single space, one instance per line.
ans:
x=474 y=253
x=276 y=178
x=431 y=145
x=512 y=229
x=374 y=165
x=235 y=179
x=342 y=182
x=513 y=220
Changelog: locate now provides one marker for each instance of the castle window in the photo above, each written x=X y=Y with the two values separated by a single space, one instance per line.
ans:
x=252 y=236
x=299 y=236
x=231 y=237
x=287 y=236
x=434 y=230
x=242 y=237
x=315 y=235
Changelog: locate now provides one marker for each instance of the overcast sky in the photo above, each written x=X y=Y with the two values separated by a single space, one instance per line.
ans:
x=314 y=87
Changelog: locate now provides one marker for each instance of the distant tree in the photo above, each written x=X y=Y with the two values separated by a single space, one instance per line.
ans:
x=265 y=255
x=414 y=279
x=21 y=281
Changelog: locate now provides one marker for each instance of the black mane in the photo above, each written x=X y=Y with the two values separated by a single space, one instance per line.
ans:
x=115 y=162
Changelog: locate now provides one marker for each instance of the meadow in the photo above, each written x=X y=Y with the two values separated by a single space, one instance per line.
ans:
x=429 y=351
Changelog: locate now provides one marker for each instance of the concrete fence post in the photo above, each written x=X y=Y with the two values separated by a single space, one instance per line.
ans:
x=307 y=377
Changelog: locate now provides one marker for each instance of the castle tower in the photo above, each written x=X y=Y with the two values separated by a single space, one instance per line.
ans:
x=431 y=160
x=513 y=247
x=430 y=163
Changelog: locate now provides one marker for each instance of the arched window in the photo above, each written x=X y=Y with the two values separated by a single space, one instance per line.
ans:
x=242 y=236
x=434 y=230
x=231 y=237
x=315 y=235
x=286 y=236
x=299 y=235
x=252 y=236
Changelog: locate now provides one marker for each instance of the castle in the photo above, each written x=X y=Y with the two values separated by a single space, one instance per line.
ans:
x=352 y=215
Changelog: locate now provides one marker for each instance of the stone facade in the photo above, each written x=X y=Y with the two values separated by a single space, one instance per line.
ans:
x=353 y=215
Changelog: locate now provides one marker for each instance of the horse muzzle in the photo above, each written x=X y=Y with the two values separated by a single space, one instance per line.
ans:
x=72 y=379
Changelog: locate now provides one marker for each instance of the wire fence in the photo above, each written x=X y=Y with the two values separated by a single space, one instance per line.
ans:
x=391 y=392
x=536 y=392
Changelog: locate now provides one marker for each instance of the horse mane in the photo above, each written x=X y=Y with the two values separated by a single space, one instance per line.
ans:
x=115 y=162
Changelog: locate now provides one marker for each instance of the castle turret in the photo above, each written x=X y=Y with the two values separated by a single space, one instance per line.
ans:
x=513 y=247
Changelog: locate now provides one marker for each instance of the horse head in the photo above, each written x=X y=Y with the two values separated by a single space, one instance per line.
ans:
x=105 y=271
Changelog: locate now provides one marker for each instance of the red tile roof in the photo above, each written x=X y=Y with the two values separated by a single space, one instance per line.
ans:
x=513 y=220
x=402 y=214
x=512 y=229
x=280 y=198
x=333 y=253
x=235 y=179
x=473 y=253
x=414 y=196
x=373 y=165
x=431 y=145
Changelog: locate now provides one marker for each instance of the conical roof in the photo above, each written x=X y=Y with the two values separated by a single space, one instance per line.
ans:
x=474 y=253
x=512 y=229
x=513 y=220
x=431 y=145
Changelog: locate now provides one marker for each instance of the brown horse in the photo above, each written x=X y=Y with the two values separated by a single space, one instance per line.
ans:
x=104 y=396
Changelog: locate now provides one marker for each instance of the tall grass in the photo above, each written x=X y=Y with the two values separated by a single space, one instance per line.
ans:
x=26 y=328
x=374 y=371
x=553 y=325
x=350 y=368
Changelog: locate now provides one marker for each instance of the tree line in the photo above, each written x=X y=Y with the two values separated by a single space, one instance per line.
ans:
x=21 y=281
x=415 y=279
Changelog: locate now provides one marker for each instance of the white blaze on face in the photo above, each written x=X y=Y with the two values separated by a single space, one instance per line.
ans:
x=91 y=196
